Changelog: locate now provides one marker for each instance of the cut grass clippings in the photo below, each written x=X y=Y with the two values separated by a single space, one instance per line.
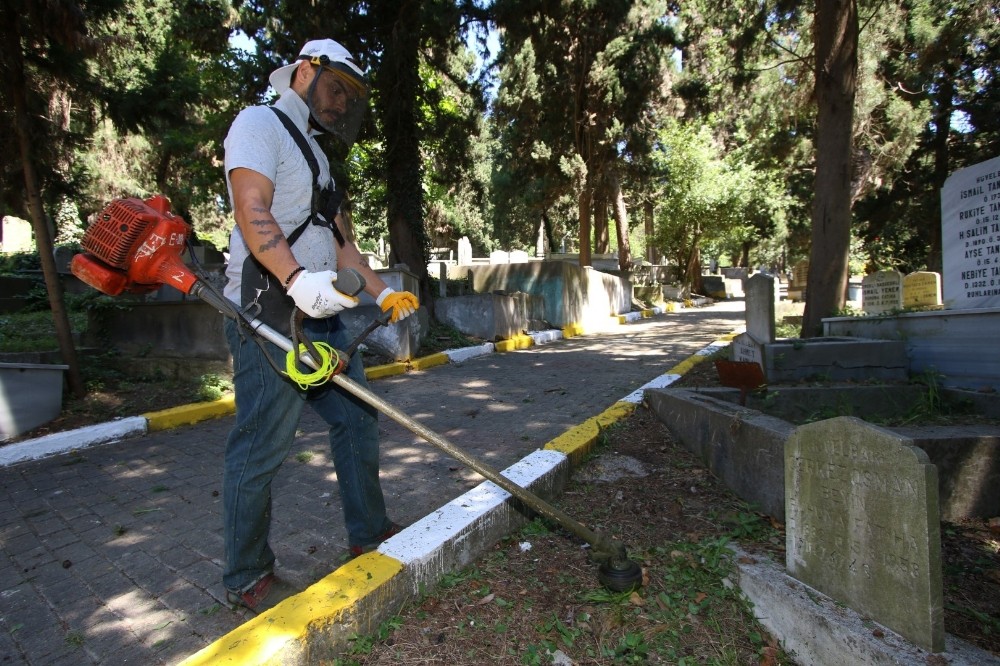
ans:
x=535 y=596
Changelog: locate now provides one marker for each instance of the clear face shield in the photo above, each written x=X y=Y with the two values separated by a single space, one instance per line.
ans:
x=337 y=100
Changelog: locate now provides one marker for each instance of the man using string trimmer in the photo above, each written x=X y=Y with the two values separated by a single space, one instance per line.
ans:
x=286 y=249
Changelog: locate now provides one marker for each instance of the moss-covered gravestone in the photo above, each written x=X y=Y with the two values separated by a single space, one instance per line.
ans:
x=862 y=519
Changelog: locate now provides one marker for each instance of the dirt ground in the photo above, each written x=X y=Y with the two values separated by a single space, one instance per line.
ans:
x=535 y=598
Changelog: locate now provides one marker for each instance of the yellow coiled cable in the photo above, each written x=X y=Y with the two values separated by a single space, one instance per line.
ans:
x=329 y=358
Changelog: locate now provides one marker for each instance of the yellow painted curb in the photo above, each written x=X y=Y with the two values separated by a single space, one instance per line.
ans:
x=519 y=341
x=572 y=330
x=614 y=413
x=387 y=370
x=577 y=442
x=686 y=365
x=694 y=360
x=188 y=414
x=621 y=319
x=429 y=361
x=325 y=603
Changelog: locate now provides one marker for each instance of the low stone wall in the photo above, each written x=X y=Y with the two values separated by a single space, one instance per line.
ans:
x=183 y=337
x=490 y=316
x=742 y=447
x=571 y=294
x=745 y=447
x=955 y=344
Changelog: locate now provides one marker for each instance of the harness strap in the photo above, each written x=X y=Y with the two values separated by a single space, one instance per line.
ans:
x=307 y=152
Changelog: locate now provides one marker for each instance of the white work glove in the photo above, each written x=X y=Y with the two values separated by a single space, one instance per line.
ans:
x=400 y=304
x=314 y=294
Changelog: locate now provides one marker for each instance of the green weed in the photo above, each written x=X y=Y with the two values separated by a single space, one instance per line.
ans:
x=213 y=387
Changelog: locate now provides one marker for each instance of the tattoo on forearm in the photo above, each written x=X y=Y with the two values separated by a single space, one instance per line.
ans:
x=273 y=243
x=267 y=227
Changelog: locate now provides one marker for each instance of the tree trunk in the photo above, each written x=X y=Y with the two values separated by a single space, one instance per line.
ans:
x=692 y=270
x=584 y=211
x=621 y=222
x=399 y=73
x=836 y=28
x=649 y=231
x=601 y=238
x=943 y=108
x=43 y=238
x=549 y=238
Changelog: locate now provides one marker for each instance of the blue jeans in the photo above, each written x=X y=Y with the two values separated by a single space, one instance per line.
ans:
x=268 y=407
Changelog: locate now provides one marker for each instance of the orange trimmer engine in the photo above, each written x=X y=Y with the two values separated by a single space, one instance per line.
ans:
x=135 y=246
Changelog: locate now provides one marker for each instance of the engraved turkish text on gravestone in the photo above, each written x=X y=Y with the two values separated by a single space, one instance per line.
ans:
x=862 y=524
x=882 y=292
x=970 y=236
x=922 y=289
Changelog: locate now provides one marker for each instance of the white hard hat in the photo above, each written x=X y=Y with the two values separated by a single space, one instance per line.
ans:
x=336 y=55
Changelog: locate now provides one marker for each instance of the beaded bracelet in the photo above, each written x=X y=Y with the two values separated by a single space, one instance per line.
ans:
x=293 y=274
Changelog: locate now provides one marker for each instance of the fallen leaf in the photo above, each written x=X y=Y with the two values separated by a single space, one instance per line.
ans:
x=746 y=560
x=700 y=597
x=485 y=600
x=768 y=656
x=636 y=599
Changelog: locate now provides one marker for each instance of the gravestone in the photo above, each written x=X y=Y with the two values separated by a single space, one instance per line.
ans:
x=760 y=307
x=499 y=257
x=518 y=257
x=862 y=524
x=882 y=292
x=464 y=251
x=799 y=277
x=713 y=286
x=922 y=289
x=749 y=347
x=745 y=349
x=800 y=274
x=16 y=235
x=970 y=236
x=63 y=255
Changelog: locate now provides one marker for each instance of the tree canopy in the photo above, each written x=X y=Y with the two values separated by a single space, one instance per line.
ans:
x=580 y=120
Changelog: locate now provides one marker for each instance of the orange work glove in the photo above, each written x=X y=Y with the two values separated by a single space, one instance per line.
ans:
x=401 y=303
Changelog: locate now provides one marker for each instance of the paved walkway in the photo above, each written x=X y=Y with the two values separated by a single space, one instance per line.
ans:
x=111 y=555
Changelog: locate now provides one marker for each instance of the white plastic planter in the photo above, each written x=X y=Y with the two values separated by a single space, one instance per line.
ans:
x=30 y=396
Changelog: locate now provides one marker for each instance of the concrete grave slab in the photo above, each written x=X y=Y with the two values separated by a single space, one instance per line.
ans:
x=861 y=509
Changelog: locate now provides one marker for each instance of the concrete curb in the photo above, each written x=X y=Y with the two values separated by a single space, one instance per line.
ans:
x=316 y=624
x=61 y=442
x=815 y=629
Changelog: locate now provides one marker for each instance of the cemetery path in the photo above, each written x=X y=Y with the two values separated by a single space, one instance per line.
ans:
x=112 y=554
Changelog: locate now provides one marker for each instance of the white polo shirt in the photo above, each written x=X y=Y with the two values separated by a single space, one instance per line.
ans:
x=258 y=140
